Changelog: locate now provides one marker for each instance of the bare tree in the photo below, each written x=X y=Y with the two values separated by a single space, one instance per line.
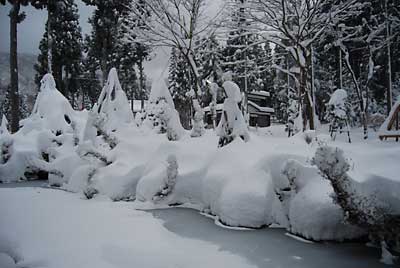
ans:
x=177 y=24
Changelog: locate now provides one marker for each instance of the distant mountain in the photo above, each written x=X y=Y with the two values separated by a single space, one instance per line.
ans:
x=26 y=79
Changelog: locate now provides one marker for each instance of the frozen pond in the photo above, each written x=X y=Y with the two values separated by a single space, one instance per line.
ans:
x=269 y=247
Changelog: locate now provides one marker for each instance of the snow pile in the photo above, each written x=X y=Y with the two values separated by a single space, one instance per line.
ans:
x=113 y=104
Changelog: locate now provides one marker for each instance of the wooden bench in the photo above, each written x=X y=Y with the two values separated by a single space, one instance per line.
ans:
x=388 y=136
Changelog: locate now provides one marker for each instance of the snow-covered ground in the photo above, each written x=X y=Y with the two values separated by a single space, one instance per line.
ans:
x=261 y=179
x=50 y=228
x=42 y=227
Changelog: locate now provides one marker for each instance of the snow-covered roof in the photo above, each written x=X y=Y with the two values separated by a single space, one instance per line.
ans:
x=260 y=108
x=220 y=106
x=260 y=93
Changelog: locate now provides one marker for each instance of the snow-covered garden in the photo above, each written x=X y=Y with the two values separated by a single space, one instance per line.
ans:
x=309 y=185
x=201 y=133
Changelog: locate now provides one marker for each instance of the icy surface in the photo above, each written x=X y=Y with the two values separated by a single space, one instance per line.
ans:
x=100 y=233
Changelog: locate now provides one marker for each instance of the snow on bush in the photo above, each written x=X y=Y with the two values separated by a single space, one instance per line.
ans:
x=232 y=123
x=113 y=104
x=4 y=126
x=43 y=145
x=51 y=111
x=198 y=120
x=161 y=114
x=376 y=213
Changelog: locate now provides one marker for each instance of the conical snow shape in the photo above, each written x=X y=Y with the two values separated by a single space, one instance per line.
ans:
x=159 y=90
x=4 y=126
x=51 y=110
x=113 y=103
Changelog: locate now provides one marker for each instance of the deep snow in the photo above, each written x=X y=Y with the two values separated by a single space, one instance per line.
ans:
x=52 y=228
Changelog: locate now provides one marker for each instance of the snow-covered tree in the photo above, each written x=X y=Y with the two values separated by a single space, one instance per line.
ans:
x=175 y=24
x=232 y=123
x=112 y=105
x=104 y=34
x=66 y=48
x=161 y=114
x=16 y=17
x=360 y=208
x=296 y=26
x=179 y=86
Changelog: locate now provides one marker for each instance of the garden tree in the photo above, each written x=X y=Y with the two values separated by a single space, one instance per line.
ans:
x=176 y=24
x=89 y=80
x=103 y=36
x=244 y=53
x=130 y=52
x=179 y=86
x=362 y=39
x=5 y=105
x=16 y=16
x=295 y=26
x=66 y=48
x=210 y=58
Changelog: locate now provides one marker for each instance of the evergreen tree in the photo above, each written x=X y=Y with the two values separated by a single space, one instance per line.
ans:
x=104 y=33
x=66 y=48
x=16 y=17
x=129 y=52
x=179 y=86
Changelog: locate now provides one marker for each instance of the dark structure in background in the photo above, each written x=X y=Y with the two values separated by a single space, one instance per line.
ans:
x=259 y=108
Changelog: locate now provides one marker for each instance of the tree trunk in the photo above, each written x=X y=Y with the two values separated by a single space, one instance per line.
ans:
x=141 y=83
x=49 y=41
x=306 y=97
x=389 y=63
x=14 y=95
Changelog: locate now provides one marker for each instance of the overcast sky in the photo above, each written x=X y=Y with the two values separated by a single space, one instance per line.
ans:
x=31 y=30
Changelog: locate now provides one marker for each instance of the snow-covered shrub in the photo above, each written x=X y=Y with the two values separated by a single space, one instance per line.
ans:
x=51 y=111
x=232 y=123
x=169 y=180
x=113 y=104
x=158 y=180
x=4 y=126
x=362 y=208
x=161 y=114
x=198 y=120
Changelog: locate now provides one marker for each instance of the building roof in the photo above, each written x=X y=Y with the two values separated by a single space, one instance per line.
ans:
x=260 y=108
x=260 y=93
